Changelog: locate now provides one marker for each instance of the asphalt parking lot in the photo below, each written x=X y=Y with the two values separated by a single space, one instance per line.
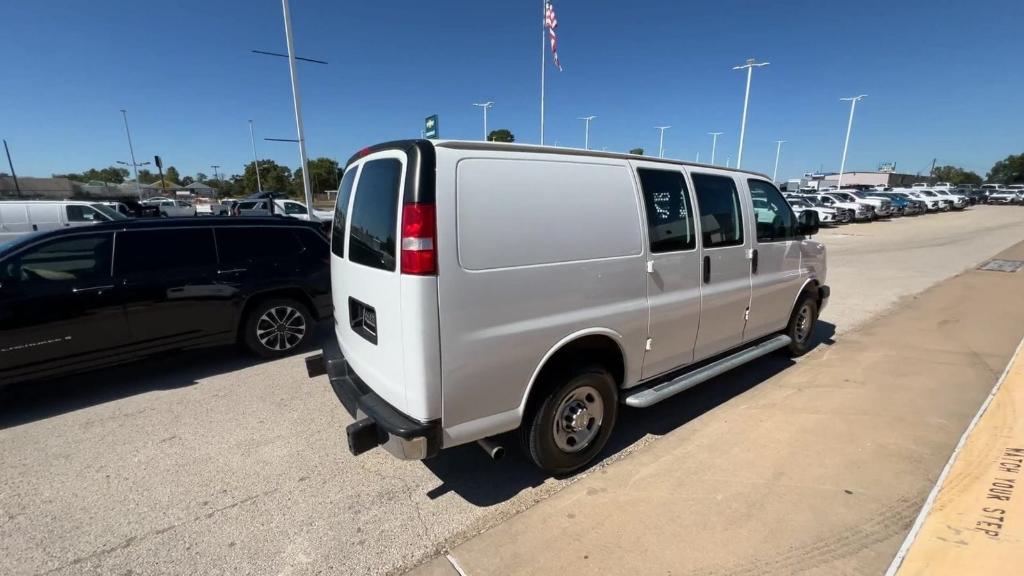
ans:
x=210 y=462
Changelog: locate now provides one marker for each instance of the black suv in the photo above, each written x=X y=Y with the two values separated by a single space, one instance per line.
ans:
x=81 y=298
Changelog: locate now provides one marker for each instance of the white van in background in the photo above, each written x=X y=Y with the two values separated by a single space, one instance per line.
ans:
x=18 y=217
x=481 y=288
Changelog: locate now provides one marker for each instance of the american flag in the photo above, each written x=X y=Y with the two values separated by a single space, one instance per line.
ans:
x=551 y=23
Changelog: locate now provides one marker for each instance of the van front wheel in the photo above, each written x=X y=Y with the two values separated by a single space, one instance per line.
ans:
x=565 y=431
x=801 y=325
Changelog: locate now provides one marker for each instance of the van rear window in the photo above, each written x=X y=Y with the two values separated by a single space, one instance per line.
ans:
x=341 y=213
x=375 y=214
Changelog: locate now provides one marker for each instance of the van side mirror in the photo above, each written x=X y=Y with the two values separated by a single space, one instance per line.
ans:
x=809 y=222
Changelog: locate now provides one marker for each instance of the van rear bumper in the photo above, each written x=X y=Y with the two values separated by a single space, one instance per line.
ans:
x=377 y=422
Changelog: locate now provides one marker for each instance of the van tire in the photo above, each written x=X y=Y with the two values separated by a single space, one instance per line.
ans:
x=586 y=387
x=293 y=314
x=801 y=325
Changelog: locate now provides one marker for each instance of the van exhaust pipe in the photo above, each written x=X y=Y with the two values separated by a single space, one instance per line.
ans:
x=494 y=450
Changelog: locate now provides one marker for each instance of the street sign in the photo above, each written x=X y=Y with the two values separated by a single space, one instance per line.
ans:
x=430 y=127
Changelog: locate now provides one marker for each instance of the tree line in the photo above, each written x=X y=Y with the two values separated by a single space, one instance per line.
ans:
x=273 y=177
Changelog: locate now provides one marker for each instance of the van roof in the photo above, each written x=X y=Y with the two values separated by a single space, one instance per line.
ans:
x=533 y=149
x=9 y=201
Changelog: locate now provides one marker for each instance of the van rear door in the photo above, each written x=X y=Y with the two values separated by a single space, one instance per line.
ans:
x=383 y=277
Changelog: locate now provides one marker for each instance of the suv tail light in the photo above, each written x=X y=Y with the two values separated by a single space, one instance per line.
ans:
x=419 y=239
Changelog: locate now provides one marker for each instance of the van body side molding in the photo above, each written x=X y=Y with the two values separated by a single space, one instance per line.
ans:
x=644 y=397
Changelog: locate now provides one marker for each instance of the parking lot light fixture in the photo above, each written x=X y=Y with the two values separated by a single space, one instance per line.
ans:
x=586 y=135
x=778 y=152
x=750 y=65
x=714 y=144
x=661 y=140
x=131 y=150
x=255 y=161
x=486 y=106
x=849 y=127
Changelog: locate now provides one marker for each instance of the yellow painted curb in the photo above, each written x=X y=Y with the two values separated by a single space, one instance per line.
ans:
x=976 y=523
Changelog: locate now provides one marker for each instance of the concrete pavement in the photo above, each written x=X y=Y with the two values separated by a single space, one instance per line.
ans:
x=820 y=469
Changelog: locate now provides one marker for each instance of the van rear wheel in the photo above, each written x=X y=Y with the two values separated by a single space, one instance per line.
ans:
x=572 y=424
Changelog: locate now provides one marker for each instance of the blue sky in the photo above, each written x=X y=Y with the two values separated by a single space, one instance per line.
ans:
x=944 y=78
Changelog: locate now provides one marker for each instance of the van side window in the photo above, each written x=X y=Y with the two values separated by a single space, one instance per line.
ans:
x=773 y=216
x=721 y=220
x=78 y=213
x=148 y=251
x=375 y=215
x=77 y=259
x=341 y=213
x=669 y=215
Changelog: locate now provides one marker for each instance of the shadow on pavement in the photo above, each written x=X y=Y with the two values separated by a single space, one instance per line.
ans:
x=467 y=471
x=26 y=402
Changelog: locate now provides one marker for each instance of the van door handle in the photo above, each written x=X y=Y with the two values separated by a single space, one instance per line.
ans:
x=707 y=269
x=35 y=228
x=753 y=262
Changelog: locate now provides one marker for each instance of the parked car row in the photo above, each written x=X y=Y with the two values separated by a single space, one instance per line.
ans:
x=854 y=205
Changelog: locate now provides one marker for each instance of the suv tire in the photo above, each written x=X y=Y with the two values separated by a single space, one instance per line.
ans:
x=801 y=325
x=277 y=327
x=572 y=424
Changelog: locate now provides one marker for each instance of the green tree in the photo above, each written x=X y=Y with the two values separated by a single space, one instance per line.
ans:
x=147 y=177
x=637 y=151
x=200 y=177
x=501 y=135
x=1009 y=170
x=186 y=180
x=324 y=173
x=171 y=175
x=112 y=174
x=273 y=176
x=955 y=175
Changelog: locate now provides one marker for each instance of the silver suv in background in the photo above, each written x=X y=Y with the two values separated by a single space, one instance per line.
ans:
x=481 y=288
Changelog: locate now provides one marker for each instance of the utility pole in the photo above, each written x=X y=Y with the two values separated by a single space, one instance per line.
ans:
x=750 y=65
x=586 y=137
x=486 y=106
x=17 y=187
x=216 y=166
x=255 y=161
x=297 y=102
x=714 y=144
x=778 y=152
x=849 y=127
x=661 y=140
x=131 y=150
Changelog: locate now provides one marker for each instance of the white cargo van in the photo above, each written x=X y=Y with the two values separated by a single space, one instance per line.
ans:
x=481 y=288
x=18 y=217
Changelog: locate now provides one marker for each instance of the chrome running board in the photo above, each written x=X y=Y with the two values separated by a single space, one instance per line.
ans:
x=644 y=397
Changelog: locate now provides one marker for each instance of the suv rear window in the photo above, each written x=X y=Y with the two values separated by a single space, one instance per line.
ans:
x=148 y=251
x=375 y=214
x=238 y=245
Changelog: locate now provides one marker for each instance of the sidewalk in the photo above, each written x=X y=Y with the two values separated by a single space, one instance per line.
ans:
x=820 y=469
x=976 y=525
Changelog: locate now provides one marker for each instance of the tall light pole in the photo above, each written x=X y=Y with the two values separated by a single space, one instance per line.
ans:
x=297 y=102
x=750 y=65
x=586 y=136
x=131 y=150
x=661 y=140
x=486 y=106
x=778 y=152
x=255 y=161
x=714 y=144
x=216 y=166
x=849 y=127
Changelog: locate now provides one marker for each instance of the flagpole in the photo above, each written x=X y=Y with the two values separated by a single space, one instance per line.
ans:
x=543 y=62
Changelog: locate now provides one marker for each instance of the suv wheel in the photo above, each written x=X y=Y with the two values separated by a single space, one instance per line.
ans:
x=277 y=327
x=572 y=424
x=801 y=325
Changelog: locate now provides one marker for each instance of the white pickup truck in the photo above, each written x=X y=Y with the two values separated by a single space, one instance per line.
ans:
x=289 y=208
x=172 y=208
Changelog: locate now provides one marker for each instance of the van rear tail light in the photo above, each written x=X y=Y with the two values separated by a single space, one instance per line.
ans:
x=419 y=239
